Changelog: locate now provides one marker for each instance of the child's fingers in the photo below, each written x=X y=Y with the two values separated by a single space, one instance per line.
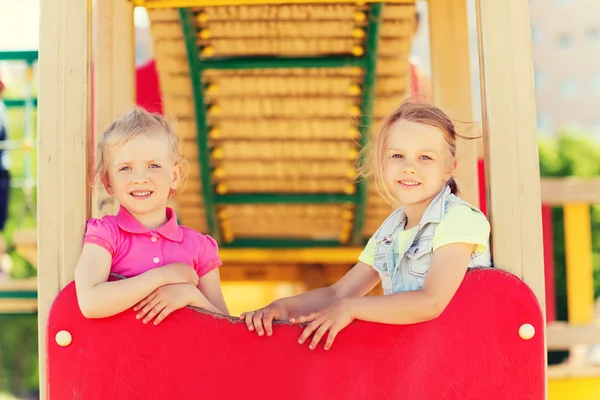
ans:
x=163 y=314
x=258 y=323
x=331 y=337
x=144 y=301
x=159 y=307
x=141 y=304
x=268 y=322
x=305 y=318
x=248 y=319
x=318 y=335
x=309 y=330
x=146 y=309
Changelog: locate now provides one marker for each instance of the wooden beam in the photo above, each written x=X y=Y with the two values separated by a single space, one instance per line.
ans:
x=563 y=336
x=114 y=77
x=123 y=60
x=281 y=272
x=511 y=142
x=559 y=191
x=451 y=82
x=291 y=256
x=24 y=285
x=260 y=273
x=18 y=306
x=63 y=126
x=206 y=3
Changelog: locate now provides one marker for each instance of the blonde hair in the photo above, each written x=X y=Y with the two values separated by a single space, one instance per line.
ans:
x=372 y=155
x=136 y=122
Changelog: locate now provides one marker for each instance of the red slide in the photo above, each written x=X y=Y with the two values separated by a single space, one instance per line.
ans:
x=472 y=351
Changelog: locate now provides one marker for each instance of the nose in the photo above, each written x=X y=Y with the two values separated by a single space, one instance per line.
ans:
x=140 y=178
x=408 y=170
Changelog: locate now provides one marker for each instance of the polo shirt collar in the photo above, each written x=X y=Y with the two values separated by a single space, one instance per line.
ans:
x=170 y=229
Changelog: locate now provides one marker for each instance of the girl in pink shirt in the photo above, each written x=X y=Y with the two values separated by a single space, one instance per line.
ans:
x=167 y=266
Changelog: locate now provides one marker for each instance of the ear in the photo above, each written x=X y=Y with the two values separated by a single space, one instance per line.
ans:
x=177 y=175
x=107 y=186
x=451 y=169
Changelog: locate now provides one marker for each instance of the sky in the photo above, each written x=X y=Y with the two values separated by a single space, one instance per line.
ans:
x=19 y=24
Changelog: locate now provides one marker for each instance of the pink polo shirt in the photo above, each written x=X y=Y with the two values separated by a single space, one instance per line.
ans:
x=135 y=249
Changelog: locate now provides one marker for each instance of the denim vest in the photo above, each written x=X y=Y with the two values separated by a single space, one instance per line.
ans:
x=403 y=269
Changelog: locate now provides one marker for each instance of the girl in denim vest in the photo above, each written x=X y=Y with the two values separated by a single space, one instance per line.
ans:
x=422 y=250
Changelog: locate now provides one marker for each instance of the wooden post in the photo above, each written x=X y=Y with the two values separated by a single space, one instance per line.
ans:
x=511 y=141
x=451 y=82
x=114 y=77
x=63 y=124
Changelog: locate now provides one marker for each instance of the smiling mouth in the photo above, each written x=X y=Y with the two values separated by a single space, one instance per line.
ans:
x=141 y=194
x=409 y=183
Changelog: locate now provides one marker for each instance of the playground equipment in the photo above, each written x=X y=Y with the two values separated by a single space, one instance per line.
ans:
x=195 y=48
x=460 y=355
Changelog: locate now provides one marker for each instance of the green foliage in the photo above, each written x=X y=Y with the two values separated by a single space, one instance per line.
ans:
x=572 y=153
x=18 y=333
x=18 y=354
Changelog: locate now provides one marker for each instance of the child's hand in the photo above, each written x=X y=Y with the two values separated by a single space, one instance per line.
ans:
x=264 y=317
x=333 y=319
x=180 y=273
x=164 y=300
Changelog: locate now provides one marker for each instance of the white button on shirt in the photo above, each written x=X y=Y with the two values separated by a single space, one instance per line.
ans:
x=154 y=239
x=156 y=260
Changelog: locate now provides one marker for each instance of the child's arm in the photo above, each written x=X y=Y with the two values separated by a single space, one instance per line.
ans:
x=448 y=267
x=357 y=282
x=166 y=299
x=209 y=286
x=98 y=298
x=447 y=270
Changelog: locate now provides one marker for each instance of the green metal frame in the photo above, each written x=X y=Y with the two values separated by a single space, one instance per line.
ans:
x=369 y=88
x=188 y=26
x=197 y=64
x=283 y=62
x=18 y=294
x=284 y=198
x=28 y=56
x=18 y=103
x=19 y=314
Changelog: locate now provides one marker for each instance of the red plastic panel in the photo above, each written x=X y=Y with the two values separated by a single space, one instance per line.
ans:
x=147 y=87
x=472 y=351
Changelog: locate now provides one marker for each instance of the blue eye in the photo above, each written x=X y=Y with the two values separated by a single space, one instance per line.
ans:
x=425 y=158
x=397 y=156
x=154 y=166
x=124 y=168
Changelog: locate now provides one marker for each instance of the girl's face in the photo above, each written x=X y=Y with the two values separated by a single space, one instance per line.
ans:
x=416 y=165
x=141 y=174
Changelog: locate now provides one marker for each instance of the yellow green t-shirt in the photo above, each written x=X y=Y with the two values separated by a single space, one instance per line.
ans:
x=461 y=224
